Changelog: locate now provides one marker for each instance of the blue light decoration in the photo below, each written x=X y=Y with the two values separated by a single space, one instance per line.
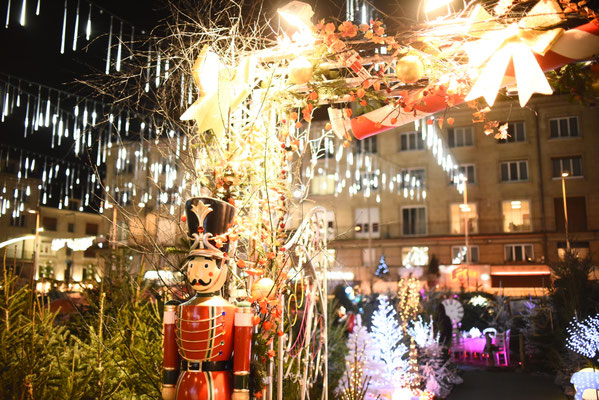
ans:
x=583 y=336
x=382 y=269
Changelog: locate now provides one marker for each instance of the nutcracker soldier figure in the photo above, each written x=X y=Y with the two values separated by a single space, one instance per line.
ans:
x=207 y=339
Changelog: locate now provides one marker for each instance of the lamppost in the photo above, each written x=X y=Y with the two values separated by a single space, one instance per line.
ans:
x=114 y=216
x=466 y=210
x=564 y=176
x=34 y=274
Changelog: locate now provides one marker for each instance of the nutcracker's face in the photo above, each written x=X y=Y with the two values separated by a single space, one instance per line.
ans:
x=206 y=274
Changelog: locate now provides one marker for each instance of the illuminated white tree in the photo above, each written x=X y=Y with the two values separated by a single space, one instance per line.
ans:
x=387 y=365
x=438 y=374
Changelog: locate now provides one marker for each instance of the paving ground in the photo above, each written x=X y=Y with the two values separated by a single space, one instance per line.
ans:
x=492 y=384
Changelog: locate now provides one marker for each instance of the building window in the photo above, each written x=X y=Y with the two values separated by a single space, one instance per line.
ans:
x=514 y=171
x=49 y=223
x=460 y=137
x=518 y=252
x=46 y=272
x=323 y=185
x=458 y=254
x=46 y=247
x=366 y=179
x=91 y=229
x=90 y=252
x=466 y=170
x=367 y=145
x=17 y=221
x=515 y=132
x=329 y=218
x=414 y=220
x=367 y=223
x=414 y=256
x=71 y=227
x=564 y=127
x=411 y=177
x=580 y=249
x=571 y=165
x=410 y=141
x=516 y=216
x=577 y=214
x=459 y=212
x=74 y=204
x=87 y=273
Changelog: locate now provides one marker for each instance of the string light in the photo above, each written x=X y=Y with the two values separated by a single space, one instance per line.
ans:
x=583 y=336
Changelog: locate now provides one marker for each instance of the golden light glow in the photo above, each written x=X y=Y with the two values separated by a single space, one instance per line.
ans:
x=432 y=5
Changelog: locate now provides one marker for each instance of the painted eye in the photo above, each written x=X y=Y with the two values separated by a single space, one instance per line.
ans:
x=205 y=265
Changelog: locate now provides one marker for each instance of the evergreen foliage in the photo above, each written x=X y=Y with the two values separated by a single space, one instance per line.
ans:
x=115 y=352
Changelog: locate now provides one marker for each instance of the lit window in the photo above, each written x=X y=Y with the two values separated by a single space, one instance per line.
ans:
x=414 y=256
x=414 y=220
x=516 y=216
x=459 y=212
x=513 y=171
x=460 y=137
x=458 y=254
x=571 y=165
x=323 y=185
x=409 y=141
x=564 y=127
x=519 y=252
x=367 y=223
x=515 y=131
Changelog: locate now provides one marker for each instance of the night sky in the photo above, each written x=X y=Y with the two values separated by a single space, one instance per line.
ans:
x=32 y=53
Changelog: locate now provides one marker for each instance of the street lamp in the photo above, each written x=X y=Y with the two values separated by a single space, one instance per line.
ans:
x=34 y=274
x=114 y=216
x=564 y=176
x=466 y=210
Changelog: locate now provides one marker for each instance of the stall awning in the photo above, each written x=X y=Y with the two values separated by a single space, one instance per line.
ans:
x=517 y=276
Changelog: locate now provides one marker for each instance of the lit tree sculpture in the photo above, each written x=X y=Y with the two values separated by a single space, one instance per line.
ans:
x=382 y=269
x=354 y=383
x=388 y=366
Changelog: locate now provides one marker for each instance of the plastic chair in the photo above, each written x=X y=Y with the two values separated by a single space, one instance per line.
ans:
x=502 y=355
x=457 y=349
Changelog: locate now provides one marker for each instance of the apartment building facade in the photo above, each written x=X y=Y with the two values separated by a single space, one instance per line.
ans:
x=515 y=204
x=69 y=240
